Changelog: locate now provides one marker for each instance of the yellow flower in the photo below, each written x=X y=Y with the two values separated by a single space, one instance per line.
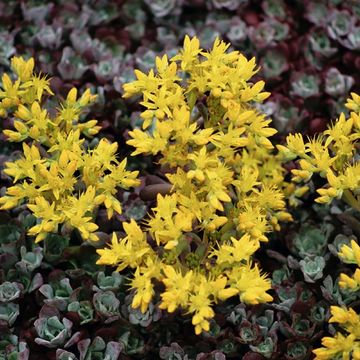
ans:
x=252 y=219
x=163 y=100
x=218 y=54
x=39 y=85
x=239 y=250
x=144 y=290
x=77 y=214
x=50 y=216
x=219 y=291
x=254 y=92
x=354 y=103
x=144 y=82
x=178 y=288
x=295 y=144
x=351 y=177
x=269 y=197
x=334 y=347
x=350 y=255
x=22 y=68
x=334 y=191
x=342 y=316
x=111 y=255
x=187 y=133
x=19 y=135
x=11 y=92
x=24 y=167
x=129 y=251
x=144 y=143
x=250 y=283
x=339 y=130
x=189 y=54
x=321 y=160
x=232 y=138
x=350 y=283
x=214 y=222
x=200 y=305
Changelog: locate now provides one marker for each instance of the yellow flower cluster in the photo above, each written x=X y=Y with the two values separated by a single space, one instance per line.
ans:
x=340 y=346
x=228 y=189
x=350 y=255
x=333 y=155
x=60 y=179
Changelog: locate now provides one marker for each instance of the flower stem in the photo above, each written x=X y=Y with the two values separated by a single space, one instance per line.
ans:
x=351 y=200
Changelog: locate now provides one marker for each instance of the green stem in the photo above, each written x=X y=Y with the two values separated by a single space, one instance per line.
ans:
x=73 y=250
x=351 y=200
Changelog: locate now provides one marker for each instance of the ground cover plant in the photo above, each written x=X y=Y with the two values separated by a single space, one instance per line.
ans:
x=189 y=220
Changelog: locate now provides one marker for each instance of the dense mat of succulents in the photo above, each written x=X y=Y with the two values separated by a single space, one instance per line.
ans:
x=107 y=210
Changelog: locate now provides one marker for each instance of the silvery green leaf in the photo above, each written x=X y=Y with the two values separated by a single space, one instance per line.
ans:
x=161 y=8
x=83 y=309
x=321 y=44
x=275 y=8
x=49 y=36
x=37 y=13
x=352 y=41
x=52 y=332
x=312 y=268
x=107 y=305
x=228 y=4
x=10 y=291
x=9 y=312
x=71 y=65
x=305 y=85
x=112 y=282
x=237 y=32
x=340 y=23
x=64 y=355
x=337 y=84
x=113 y=350
x=297 y=350
x=265 y=348
x=29 y=260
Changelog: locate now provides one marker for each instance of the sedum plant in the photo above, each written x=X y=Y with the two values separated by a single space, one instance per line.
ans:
x=13 y=349
x=345 y=344
x=334 y=156
x=225 y=189
x=61 y=180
